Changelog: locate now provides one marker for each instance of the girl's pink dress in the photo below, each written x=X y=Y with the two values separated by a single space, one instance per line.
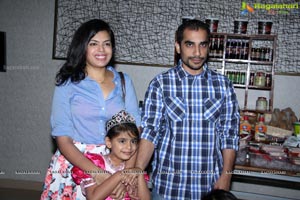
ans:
x=85 y=180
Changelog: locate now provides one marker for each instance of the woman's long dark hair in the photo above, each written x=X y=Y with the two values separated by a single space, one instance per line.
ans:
x=74 y=67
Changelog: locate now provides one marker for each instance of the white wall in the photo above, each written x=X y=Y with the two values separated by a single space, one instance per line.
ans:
x=26 y=88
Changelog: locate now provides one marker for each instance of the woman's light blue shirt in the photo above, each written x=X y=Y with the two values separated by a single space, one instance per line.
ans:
x=80 y=111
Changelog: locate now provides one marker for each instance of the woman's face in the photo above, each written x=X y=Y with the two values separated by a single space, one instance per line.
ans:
x=99 y=50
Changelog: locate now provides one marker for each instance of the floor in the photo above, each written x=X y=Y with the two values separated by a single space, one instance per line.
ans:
x=20 y=190
x=19 y=194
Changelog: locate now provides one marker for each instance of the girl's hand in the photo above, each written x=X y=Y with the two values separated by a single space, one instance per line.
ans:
x=130 y=176
x=119 y=192
x=130 y=180
x=100 y=177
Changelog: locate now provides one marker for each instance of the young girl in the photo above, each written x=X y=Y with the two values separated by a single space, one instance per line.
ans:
x=88 y=92
x=122 y=140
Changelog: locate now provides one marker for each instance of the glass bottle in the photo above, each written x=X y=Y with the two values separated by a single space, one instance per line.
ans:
x=260 y=130
x=220 y=47
x=246 y=50
x=242 y=78
x=228 y=49
x=245 y=127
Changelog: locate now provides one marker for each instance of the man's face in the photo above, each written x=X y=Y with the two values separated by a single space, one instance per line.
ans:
x=193 y=50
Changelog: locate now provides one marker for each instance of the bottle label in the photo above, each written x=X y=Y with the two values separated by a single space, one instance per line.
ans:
x=260 y=133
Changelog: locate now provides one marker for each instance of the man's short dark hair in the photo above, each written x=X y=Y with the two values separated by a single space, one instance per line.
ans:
x=192 y=24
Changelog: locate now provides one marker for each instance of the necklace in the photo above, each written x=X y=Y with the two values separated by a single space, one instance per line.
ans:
x=95 y=77
x=112 y=166
x=101 y=82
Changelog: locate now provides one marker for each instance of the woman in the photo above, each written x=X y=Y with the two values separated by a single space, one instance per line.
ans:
x=88 y=92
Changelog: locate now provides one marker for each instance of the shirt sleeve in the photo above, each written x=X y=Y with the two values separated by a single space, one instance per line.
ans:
x=229 y=120
x=152 y=121
x=131 y=102
x=61 y=122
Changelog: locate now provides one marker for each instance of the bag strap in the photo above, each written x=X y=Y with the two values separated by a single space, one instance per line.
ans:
x=123 y=85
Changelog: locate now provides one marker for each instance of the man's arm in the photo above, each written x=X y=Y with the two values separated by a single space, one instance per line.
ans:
x=146 y=149
x=228 y=162
x=143 y=191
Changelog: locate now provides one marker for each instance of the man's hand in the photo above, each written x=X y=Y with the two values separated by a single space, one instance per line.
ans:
x=223 y=182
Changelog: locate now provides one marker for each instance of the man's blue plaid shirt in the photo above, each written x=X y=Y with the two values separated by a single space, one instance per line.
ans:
x=189 y=119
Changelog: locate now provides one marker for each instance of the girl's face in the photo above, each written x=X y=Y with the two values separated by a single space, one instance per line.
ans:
x=122 y=147
x=99 y=50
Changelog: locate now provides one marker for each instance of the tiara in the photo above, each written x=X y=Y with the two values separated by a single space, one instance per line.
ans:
x=121 y=117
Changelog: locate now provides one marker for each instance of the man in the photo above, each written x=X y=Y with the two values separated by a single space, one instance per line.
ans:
x=190 y=121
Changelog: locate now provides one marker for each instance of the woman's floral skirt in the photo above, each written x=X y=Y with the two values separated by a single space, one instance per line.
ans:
x=58 y=183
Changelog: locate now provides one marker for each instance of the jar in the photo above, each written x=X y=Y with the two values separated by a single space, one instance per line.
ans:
x=240 y=26
x=213 y=24
x=260 y=79
x=264 y=27
x=261 y=103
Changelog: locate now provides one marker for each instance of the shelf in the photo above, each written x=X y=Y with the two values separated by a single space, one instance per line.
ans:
x=263 y=171
x=229 y=60
x=256 y=111
x=252 y=47
x=239 y=86
x=259 y=87
x=245 y=36
x=252 y=87
x=261 y=62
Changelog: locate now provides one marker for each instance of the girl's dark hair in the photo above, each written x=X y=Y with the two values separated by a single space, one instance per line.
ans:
x=130 y=128
x=74 y=67
x=192 y=24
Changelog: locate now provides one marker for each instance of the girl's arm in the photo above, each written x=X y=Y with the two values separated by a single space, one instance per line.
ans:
x=74 y=156
x=96 y=192
x=102 y=191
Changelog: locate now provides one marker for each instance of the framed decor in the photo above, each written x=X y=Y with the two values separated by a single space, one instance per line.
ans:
x=2 y=51
x=144 y=30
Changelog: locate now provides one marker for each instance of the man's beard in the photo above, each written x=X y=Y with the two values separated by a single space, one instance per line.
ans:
x=195 y=67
